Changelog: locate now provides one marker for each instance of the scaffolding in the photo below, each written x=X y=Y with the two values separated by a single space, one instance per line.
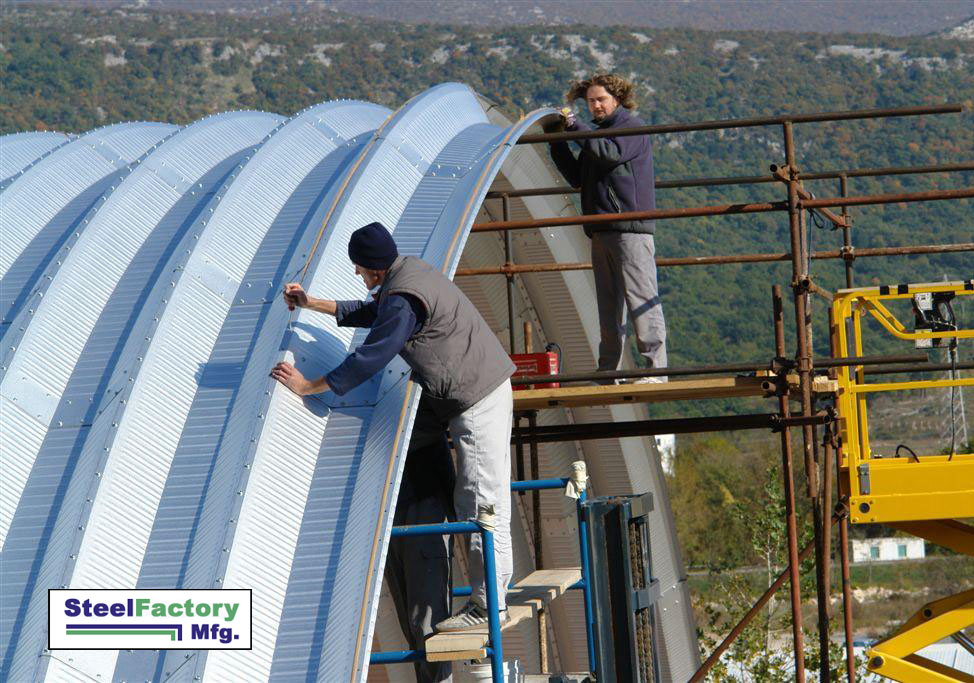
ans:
x=809 y=381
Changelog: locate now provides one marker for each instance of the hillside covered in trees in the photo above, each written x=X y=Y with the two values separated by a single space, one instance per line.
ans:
x=77 y=69
x=74 y=70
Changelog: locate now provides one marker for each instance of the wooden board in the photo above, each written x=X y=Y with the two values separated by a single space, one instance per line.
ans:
x=455 y=644
x=524 y=600
x=676 y=390
x=456 y=656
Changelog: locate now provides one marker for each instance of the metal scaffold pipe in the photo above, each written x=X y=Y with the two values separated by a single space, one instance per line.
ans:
x=804 y=366
x=723 y=368
x=788 y=480
x=684 y=425
x=843 y=254
x=831 y=449
x=752 y=180
x=723 y=210
x=819 y=117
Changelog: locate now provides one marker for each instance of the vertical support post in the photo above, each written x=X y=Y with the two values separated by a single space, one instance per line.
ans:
x=787 y=472
x=538 y=557
x=493 y=616
x=536 y=494
x=518 y=451
x=587 y=579
x=843 y=518
x=850 y=654
x=799 y=261
x=828 y=453
x=509 y=261
x=829 y=448
x=536 y=514
x=846 y=231
x=535 y=474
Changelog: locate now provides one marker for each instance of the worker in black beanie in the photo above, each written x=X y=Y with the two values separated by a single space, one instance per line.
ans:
x=419 y=314
x=372 y=247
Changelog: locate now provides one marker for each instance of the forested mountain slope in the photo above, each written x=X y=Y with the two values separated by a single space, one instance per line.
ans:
x=77 y=69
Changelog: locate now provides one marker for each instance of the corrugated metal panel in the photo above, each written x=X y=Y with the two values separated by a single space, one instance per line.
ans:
x=38 y=374
x=47 y=200
x=442 y=249
x=122 y=256
x=384 y=188
x=256 y=236
x=20 y=150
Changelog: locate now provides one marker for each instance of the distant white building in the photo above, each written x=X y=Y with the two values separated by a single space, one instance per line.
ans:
x=666 y=444
x=882 y=549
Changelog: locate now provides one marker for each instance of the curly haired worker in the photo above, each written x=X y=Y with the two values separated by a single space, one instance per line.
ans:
x=615 y=175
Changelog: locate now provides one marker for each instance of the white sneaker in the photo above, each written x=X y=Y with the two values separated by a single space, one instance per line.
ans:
x=650 y=380
x=470 y=616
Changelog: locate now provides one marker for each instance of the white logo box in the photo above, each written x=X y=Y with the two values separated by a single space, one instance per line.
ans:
x=149 y=619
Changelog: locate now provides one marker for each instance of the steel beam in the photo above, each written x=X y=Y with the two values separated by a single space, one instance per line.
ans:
x=752 y=179
x=723 y=210
x=847 y=253
x=789 y=119
x=686 y=425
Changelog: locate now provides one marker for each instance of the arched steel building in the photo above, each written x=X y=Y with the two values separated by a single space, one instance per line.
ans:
x=143 y=443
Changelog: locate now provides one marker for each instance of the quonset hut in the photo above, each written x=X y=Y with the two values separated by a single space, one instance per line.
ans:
x=145 y=446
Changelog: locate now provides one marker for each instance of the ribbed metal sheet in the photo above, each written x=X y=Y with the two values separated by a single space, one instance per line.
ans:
x=213 y=459
x=148 y=447
x=20 y=150
x=43 y=205
x=346 y=561
x=93 y=318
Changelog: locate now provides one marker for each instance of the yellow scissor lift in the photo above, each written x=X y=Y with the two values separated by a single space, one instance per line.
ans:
x=924 y=495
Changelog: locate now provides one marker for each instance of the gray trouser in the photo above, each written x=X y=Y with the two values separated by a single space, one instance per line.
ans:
x=624 y=266
x=418 y=570
x=482 y=438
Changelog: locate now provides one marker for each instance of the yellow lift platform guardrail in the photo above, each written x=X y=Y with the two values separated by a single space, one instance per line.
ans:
x=925 y=494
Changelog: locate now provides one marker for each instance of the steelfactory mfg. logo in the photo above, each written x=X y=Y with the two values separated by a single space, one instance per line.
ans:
x=149 y=619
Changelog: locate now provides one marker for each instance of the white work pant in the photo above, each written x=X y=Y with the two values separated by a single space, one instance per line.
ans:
x=482 y=438
x=624 y=265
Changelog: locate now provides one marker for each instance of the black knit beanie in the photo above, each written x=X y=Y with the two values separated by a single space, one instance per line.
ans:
x=372 y=247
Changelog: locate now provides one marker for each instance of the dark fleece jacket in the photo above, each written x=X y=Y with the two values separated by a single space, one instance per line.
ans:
x=614 y=174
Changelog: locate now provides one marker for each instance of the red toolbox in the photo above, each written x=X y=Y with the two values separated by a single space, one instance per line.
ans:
x=533 y=364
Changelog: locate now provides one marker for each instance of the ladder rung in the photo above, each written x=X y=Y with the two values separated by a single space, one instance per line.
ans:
x=524 y=600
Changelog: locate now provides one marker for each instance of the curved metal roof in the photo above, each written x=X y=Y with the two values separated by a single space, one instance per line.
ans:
x=144 y=443
x=73 y=179
x=20 y=150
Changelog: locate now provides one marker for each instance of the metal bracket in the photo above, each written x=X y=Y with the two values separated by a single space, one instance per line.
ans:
x=642 y=598
x=776 y=385
x=863 y=471
x=781 y=365
x=641 y=505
